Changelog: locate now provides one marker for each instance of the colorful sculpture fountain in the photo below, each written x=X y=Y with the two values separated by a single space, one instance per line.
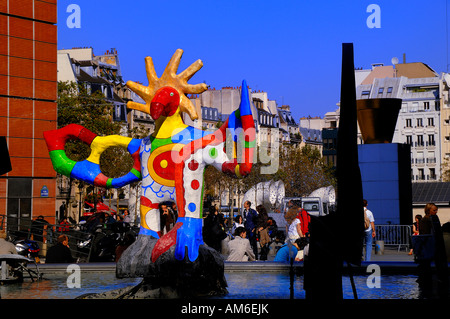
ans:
x=170 y=162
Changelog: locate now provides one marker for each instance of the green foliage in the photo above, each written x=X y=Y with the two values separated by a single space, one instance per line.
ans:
x=302 y=171
x=445 y=170
x=91 y=110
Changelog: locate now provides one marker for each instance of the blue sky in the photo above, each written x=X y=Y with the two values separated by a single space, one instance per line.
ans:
x=291 y=49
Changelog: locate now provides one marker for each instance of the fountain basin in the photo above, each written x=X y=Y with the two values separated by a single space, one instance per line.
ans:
x=252 y=280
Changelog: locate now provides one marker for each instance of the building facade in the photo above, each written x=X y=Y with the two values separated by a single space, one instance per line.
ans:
x=96 y=73
x=444 y=88
x=289 y=126
x=99 y=73
x=28 y=93
x=418 y=122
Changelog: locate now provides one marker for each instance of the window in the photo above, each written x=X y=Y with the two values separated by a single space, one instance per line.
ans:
x=431 y=140
x=426 y=106
x=409 y=140
x=380 y=90
x=421 y=175
x=19 y=203
x=419 y=158
x=389 y=90
x=432 y=174
x=431 y=158
x=419 y=123
x=420 y=140
x=365 y=92
x=408 y=123
x=404 y=108
x=430 y=121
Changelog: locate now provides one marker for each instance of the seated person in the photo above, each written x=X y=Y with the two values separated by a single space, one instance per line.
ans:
x=60 y=253
x=6 y=247
x=240 y=249
x=297 y=247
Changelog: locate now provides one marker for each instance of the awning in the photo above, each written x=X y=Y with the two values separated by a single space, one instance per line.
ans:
x=101 y=207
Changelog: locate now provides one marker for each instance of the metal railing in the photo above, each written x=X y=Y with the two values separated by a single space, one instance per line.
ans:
x=394 y=235
x=48 y=237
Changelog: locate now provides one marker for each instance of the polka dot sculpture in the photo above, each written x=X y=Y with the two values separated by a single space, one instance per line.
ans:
x=171 y=161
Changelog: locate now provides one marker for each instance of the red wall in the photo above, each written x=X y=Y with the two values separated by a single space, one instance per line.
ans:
x=28 y=93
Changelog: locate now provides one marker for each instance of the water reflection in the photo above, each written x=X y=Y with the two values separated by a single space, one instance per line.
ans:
x=245 y=285
x=392 y=287
x=262 y=286
x=55 y=286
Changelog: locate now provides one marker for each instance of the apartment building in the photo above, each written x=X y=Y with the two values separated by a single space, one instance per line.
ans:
x=28 y=93
x=97 y=73
x=289 y=126
x=224 y=101
x=418 y=122
x=444 y=88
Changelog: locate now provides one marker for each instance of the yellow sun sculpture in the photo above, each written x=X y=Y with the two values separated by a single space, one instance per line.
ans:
x=171 y=161
x=168 y=79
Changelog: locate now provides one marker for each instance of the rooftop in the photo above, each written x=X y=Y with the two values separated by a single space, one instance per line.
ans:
x=434 y=192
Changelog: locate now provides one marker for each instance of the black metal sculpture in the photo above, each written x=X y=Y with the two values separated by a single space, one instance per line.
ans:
x=338 y=237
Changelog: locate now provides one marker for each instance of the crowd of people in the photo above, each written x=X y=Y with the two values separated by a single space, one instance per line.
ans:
x=247 y=238
x=253 y=232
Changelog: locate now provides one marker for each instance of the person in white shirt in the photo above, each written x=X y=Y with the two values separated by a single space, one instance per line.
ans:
x=370 y=232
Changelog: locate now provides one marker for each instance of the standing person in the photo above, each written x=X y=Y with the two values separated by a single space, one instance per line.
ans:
x=263 y=231
x=295 y=228
x=64 y=225
x=213 y=231
x=175 y=211
x=167 y=220
x=433 y=250
x=60 y=253
x=250 y=216
x=415 y=231
x=425 y=224
x=37 y=228
x=239 y=247
x=370 y=230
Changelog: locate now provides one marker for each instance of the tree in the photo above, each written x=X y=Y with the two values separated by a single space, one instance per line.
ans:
x=303 y=171
x=91 y=110
x=445 y=170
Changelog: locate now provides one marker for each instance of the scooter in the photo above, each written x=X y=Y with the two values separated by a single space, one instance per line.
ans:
x=28 y=248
